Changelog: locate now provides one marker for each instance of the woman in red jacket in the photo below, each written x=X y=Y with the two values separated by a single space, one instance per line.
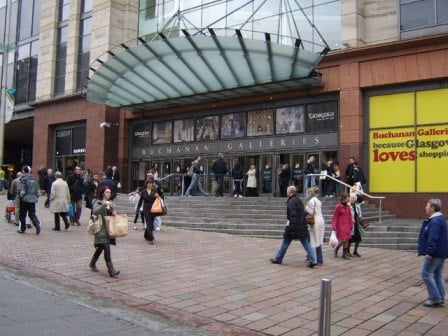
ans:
x=342 y=224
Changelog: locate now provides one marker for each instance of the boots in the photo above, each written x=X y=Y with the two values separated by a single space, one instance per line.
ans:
x=95 y=257
x=345 y=254
x=336 y=251
x=112 y=272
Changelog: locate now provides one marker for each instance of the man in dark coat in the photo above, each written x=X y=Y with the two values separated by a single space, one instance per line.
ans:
x=238 y=176
x=48 y=181
x=220 y=170
x=349 y=172
x=296 y=228
x=106 y=180
x=76 y=186
x=283 y=179
x=433 y=245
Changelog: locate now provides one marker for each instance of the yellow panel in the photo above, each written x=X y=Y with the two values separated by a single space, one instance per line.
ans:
x=432 y=158
x=392 y=110
x=432 y=106
x=392 y=160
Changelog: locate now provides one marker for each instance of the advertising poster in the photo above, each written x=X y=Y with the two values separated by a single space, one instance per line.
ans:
x=290 y=119
x=207 y=128
x=260 y=123
x=233 y=125
x=432 y=158
x=184 y=130
x=161 y=132
x=322 y=116
x=142 y=135
x=392 y=161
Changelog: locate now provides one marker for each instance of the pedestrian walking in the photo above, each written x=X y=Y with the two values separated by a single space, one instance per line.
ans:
x=296 y=228
x=28 y=191
x=220 y=170
x=148 y=195
x=103 y=207
x=92 y=186
x=317 y=230
x=195 y=177
x=59 y=200
x=134 y=197
x=47 y=182
x=16 y=198
x=238 y=176
x=283 y=179
x=342 y=224
x=106 y=180
x=251 y=183
x=357 y=216
x=76 y=186
x=433 y=245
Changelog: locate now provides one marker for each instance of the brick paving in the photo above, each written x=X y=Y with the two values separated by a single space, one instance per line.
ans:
x=225 y=283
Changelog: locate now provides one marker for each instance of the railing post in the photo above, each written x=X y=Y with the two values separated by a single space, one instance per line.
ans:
x=381 y=210
x=183 y=185
x=325 y=308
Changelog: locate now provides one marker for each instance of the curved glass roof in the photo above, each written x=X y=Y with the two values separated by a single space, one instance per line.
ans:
x=191 y=69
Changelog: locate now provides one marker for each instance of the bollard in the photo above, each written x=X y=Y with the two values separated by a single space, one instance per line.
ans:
x=325 y=308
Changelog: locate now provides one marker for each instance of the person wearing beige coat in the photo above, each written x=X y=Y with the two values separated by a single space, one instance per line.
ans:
x=59 y=199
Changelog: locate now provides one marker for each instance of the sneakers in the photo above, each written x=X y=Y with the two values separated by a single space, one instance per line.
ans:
x=235 y=195
x=240 y=196
x=135 y=226
x=311 y=265
x=157 y=228
x=20 y=231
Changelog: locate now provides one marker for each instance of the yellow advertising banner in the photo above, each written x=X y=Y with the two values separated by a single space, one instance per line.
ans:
x=392 y=110
x=432 y=106
x=392 y=161
x=432 y=158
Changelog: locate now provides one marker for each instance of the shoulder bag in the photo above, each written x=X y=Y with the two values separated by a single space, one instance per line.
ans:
x=95 y=224
x=309 y=218
x=116 y=226
x=158 y=207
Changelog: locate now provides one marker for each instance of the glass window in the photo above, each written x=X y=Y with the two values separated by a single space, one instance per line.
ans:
x=418 y=14
x=442 y=11
x=87 y=6
x=63 y=10
x=2 y=3
x=61 y=54
x=62 y=36
x=78 y=140
x=2 y=26
x=13 y=22
x=32 y=78
x=26 y=16
x=63 y=142
x=23 y=51
x=260 y=123
x=142 y=135
x=22 y=79
x=36 y=17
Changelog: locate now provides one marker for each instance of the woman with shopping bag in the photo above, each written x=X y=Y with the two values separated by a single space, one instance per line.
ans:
x=103 y=207
x=342 y=224
x=149 y=195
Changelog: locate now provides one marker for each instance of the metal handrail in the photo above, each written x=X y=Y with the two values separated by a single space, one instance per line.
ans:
x=380 y=198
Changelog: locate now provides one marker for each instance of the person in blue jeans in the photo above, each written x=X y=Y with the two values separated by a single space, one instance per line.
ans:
x=296 y=229
x=433 y=244
x=195 y=178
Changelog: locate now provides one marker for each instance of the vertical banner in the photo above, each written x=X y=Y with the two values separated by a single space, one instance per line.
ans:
x=9 y=104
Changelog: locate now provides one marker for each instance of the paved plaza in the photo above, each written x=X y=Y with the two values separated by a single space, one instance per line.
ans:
x=225 y=284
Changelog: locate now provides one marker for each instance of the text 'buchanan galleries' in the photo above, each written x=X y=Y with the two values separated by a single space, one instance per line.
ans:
x=406 y=150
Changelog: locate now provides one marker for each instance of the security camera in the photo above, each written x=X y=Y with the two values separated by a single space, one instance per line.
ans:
x=105 y=124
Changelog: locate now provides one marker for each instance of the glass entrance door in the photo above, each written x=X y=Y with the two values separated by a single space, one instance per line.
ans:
x=267 y=164
x=232 y=162
x=165 y=180
x=297 y=165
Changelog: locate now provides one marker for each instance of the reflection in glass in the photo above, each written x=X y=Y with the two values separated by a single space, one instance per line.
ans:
x=290 y=119
x=207 y=128
x=184 y=130
x=260 y=123
x=161 y=132
x=233 y=125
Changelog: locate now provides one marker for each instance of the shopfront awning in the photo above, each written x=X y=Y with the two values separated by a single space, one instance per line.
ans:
x=196 y=69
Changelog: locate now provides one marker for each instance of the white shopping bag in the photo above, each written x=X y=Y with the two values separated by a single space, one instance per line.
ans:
x=333 y=242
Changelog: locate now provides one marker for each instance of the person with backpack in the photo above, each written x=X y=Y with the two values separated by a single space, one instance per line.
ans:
x=196 y=172
x=76 y=186
x=28 y=192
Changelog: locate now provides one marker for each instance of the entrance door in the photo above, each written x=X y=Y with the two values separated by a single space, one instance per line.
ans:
x=253 y=160
x=297 y=166
x=232 y=161
x=165 y=180
x=267 y=163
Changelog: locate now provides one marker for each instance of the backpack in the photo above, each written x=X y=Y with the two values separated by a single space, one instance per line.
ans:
x=28 y=189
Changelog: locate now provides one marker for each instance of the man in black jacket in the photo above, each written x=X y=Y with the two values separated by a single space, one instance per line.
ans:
x=76 y=187
x=296 y=228
x=238 y=175
x=220 y=170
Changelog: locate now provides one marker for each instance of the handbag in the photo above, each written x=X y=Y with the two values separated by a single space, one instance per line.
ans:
x=116 y=226
x=95 y=224
x=158 y=207
x=364 y=223
x=309 y=219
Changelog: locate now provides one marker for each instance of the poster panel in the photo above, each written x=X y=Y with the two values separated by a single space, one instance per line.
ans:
x=260 y=123
x=184 y=130
x=141 y=136
x=322 y=116
x=392 y=160
x=162 y=132
x=432 y=158
x=392 y=110
x=432 y=106
x=207 y=128
x=233 y=125
x=290 y=119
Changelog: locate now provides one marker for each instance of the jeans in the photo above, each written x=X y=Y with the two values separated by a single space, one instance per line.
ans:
x=432 y=275
x=195 y=180
x=237 y=187
x=306 y=245
x=319 y=256
x=308 y=180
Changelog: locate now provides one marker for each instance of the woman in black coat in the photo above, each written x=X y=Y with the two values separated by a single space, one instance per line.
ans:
x=296 y=228
x=147 y=197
